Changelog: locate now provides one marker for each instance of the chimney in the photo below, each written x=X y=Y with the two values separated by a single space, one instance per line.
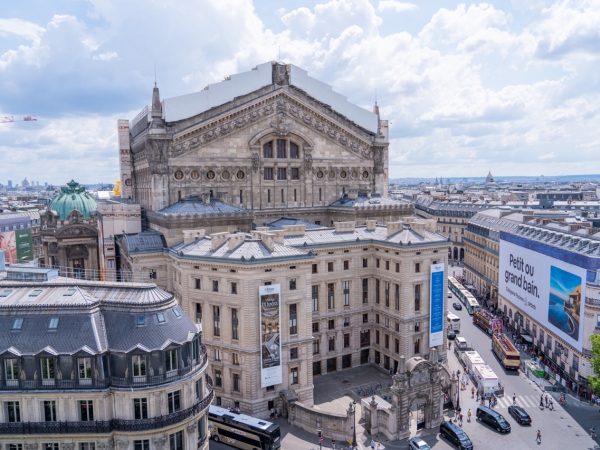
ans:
x=371 y=225
x=294 y=230
x=217 y=239
x=190 y=236
x=235 y=240
x=394 y=227
x=344 y=227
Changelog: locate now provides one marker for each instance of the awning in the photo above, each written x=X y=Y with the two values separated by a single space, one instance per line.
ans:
x=527 y=338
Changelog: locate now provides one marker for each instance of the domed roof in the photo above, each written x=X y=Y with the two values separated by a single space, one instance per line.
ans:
x=73 y=196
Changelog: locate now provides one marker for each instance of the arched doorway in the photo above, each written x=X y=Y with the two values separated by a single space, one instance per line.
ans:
x=455 y=254
x=462 y=254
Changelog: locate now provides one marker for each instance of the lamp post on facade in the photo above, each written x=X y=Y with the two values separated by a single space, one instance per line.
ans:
x=353 y=408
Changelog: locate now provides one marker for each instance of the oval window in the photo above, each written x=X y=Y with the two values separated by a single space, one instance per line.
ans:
x=343 y=174
x=226 y=175
x=240 y=175
x=194 y=175
x=366 y=174
x=320 y=174
x=178 y=175
x=210 y=175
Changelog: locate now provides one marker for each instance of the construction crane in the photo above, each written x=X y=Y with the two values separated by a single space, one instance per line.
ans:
x=11 y=119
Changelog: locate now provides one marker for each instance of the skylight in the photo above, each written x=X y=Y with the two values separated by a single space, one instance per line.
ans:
x=53 y=323
x=69 y=292
x=18 y=323
x=5 y=292
x=35 y=292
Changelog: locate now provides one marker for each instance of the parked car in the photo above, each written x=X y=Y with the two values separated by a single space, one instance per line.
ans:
x=449 y=294
x=451 y=334
x=519 y=414
x=492 y=418
x=457 y=306
x=416 y=443
x=455 y=435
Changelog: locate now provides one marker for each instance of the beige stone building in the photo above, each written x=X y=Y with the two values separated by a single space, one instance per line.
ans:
x=260 y=145
x=98 y=366
x=350 y=295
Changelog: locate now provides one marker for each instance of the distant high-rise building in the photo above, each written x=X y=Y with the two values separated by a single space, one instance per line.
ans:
x=25 y=183
x=10 y=184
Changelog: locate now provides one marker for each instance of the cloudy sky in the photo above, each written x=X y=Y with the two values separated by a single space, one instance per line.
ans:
x=511 y=86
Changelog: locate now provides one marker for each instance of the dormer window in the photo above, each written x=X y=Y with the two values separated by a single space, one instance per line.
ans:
x=5 y=292
x=35 y=292
x=160 y=317
x=69 y=292
x=140 y=320
x=177 y=311
x=17 y=324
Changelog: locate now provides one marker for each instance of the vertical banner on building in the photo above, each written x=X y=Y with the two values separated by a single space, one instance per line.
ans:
x=270 y=335
x=8 y=244
x=125 y=160
x=436 y=305
x=24 y=244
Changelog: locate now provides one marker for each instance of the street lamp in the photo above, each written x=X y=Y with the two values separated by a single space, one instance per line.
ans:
x=353 y=408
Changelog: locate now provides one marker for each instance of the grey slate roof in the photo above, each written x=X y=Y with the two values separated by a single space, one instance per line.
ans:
x=95 y=315
x=146 y=241
x=284 y=221
x=194 y=206
x=363 y=201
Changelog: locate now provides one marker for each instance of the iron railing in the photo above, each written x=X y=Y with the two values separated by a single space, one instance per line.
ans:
x=108 y=426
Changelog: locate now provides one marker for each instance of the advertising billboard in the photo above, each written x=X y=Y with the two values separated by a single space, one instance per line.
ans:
x=549 y=290
x=17 y=246
x=436 y=305
x=271 y=372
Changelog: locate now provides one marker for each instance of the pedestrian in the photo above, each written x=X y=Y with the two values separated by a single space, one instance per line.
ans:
x=469 y=415
x=449 y=345
x=593 y=432
x=473 y=392
x=538 y=438
x=514 y=399
x=551 y=405
x=372 y=444
x=546 y=400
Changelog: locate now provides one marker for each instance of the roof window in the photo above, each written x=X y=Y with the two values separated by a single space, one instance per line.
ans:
x=160 y=317
x=140 y=320
x=177 y=311
x=69 y=292
x=35 y=292
x=53 y=323
x=5 y=292
x=18 y=323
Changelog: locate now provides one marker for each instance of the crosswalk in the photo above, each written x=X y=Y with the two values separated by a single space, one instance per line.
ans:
x=526 y=401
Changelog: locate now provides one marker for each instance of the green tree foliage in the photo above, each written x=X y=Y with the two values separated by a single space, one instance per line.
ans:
x=595 y=380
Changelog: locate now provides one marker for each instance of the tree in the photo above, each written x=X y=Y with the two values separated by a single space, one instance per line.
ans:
x=595 y=380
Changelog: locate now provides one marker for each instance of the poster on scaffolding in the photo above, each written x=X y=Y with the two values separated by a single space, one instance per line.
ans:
x=271 y=370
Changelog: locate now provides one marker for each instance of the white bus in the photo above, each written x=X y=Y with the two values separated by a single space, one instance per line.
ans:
x=453 y=322
x=242 y=431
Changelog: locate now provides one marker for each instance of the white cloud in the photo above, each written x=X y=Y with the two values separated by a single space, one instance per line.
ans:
x=474 y=86
x=395 y=6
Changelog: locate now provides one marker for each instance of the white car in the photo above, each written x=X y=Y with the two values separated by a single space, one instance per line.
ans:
x=417 y=443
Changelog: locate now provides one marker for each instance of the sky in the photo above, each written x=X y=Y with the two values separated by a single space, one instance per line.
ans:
x=510 y=86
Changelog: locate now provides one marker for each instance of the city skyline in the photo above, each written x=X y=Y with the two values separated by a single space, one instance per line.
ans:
x=467 y=88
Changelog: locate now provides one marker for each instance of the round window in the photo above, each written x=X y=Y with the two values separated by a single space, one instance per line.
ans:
x=210 y=175
x=343 y=174
x=226 y=175
x=320 y=174
x=128 y=182
x=178 y=175
x=194 y=175
x=366 y=174
x=240 y=175
x=332 y=174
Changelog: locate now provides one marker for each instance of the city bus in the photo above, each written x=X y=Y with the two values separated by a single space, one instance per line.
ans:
x=466 y=298
x=242 y=431
x=453 y=322
x=506 y=352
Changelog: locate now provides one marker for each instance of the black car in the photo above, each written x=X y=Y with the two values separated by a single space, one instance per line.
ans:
x=457 y=306
x=455 y=435
x=451 y=334
x=519 y=414
x=492 y=418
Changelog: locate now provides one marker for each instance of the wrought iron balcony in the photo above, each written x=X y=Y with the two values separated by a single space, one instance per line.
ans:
x=113 y=382
x=108 y=426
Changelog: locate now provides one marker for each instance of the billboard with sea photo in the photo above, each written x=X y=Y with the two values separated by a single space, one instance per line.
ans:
x=270 y=335
x=549 y=290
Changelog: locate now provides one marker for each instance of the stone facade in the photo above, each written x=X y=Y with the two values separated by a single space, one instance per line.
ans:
x=351 y=296
x=275 y=150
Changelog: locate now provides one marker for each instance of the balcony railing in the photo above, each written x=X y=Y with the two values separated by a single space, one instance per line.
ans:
x=108 y=426
x=115 y=382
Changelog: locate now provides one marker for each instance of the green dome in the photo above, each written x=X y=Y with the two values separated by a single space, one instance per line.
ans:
x=73 y=196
